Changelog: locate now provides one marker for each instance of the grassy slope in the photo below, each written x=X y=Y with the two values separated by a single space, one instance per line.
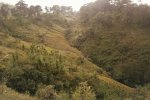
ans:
x=116 y=84
x=52 y=38
x=9 y=94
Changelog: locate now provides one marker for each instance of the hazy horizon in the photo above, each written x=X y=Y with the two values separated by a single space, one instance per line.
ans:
x=76 y=4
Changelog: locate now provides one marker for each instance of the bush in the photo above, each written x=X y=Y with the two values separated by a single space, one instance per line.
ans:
x=38 y=66
x=83 y=92
x=47 y=93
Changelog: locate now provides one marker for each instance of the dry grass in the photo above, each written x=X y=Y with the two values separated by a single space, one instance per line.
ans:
x=53 y=39
x=116 y=84
x=9 y=94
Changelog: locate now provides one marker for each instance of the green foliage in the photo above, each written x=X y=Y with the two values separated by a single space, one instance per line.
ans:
x=80 y=60
x=47 y=93
x=114 y=36
x=83 y=92
x=104 y=91
x=143 y=93
x=39 y=66
x=108 y=36
x=4 y=10
x=2 y=75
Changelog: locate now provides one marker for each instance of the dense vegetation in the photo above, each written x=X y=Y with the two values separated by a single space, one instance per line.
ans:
x=114 y=34
x=36 y=59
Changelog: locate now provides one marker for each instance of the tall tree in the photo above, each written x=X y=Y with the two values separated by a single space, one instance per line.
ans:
x=55 y=9
x=35 y=11
x=5 y=10
x=38 y=10
x=22 y=8
x=47 y=9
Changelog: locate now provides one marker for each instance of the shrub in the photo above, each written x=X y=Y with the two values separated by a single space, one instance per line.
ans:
x=47 y=93
x=83 y=92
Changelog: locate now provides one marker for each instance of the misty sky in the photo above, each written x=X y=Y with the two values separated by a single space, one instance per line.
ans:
x=76 y=4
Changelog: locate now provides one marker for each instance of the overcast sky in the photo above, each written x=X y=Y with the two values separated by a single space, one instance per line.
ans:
x=76 y=4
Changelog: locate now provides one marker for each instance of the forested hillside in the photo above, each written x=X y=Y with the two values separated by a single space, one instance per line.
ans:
x=37 y=62
x=114 y=34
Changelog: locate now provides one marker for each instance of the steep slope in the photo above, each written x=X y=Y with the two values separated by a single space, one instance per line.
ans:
x=26 y=51
x=115 y=35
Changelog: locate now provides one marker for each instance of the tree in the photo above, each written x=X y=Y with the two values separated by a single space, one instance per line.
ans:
x=122 y=2
x=65 y=9
x=32 y=11
x=5 y=10
x=35 y=11
x=55 y=9
x=21 y=8
x=47 y=9
x=38 y=10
